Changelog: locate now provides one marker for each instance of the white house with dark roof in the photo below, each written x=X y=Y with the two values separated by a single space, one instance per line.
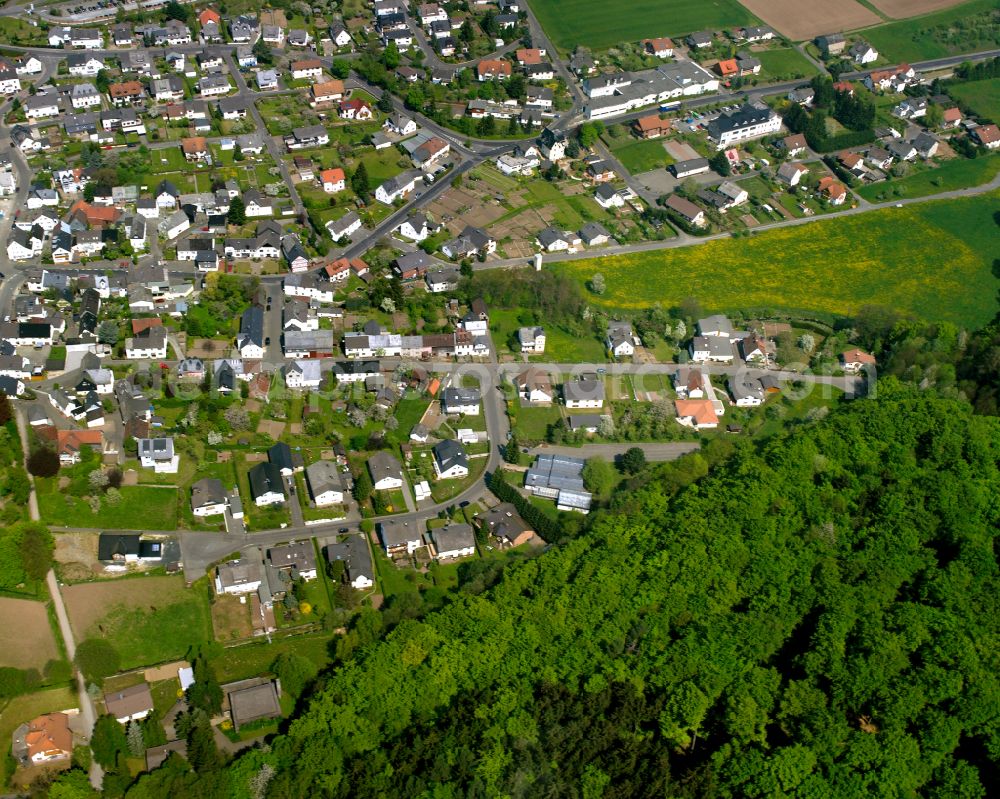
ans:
x=158 y=454
x=325 y=482
x=450 y=460
x=386 y=472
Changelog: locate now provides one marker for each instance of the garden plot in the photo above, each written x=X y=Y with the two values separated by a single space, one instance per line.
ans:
x=463 y=206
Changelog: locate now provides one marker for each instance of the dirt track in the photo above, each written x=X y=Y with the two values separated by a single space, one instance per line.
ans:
x=806 y=19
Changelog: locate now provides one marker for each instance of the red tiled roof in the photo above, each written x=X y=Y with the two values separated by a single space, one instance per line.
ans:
x=331 y=175
x=138 y=325
x=727 y=67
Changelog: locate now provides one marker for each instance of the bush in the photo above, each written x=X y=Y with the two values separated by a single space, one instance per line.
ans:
x=97 y=659
x=43 y=462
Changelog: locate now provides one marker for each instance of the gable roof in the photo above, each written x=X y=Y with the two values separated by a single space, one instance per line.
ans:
x=449 y=453
x=264 y=478
x=129 y=701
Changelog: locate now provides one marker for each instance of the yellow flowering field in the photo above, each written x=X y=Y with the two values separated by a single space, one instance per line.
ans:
x=933 y=259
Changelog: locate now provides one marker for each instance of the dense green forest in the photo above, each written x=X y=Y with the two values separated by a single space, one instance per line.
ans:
x=816 y=618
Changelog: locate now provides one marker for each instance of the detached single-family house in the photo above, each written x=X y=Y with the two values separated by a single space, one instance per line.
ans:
x=397 y=187
x=158 y=454
x=208 y=497
x=586 y=392
x=241 y=576
x=987 y=136
x=386 y=472
x=266 y=484
x=533 y=385
x=531 y=339
x=400 y=536
x=353 y=552
x=863 y=53
x=791 y=174
x=130 y=704
x=325 y=483
x=854 y=360
x=686 y=210
x=697 y=413
x=450 y=460
x=463 y=401
x=620 y=339
x=454 y=541
x=333 y=180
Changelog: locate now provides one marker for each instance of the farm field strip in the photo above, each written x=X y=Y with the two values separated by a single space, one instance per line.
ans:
x=34 y=644
x=805 y=19
x=903 y=9
x=943 y=33
x=932 y=260
x=594 y=24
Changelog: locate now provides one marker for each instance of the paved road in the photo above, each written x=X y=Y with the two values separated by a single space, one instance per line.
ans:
x=654 y=452
x=272 y=147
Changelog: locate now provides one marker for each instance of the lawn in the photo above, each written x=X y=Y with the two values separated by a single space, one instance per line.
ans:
x=148 y=620
x=955 y=173
x=965 y=28
x=563 y=347
x=149 y=507
x=643 y=156
x=249 y=660
x=17 y=31
x=382 y=164
x=933 y=260
x=785 y=64
x=982 y=96
x=532 y=424
x=168 y=159
x=589 y=22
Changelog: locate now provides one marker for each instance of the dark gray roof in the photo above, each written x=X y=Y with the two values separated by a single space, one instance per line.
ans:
x=300 y=556
x=323 y=476
x=265 y=477
x=744 y=117
x=353 y=551
x=252 y=326
x=382 y=465
x=556 y=472
x=592 y=230
x=583 y=389
x=450 y=453
x=115 y=545
x=208 y=491
x=397 y=533
x=453 y=536
x=280 y=455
